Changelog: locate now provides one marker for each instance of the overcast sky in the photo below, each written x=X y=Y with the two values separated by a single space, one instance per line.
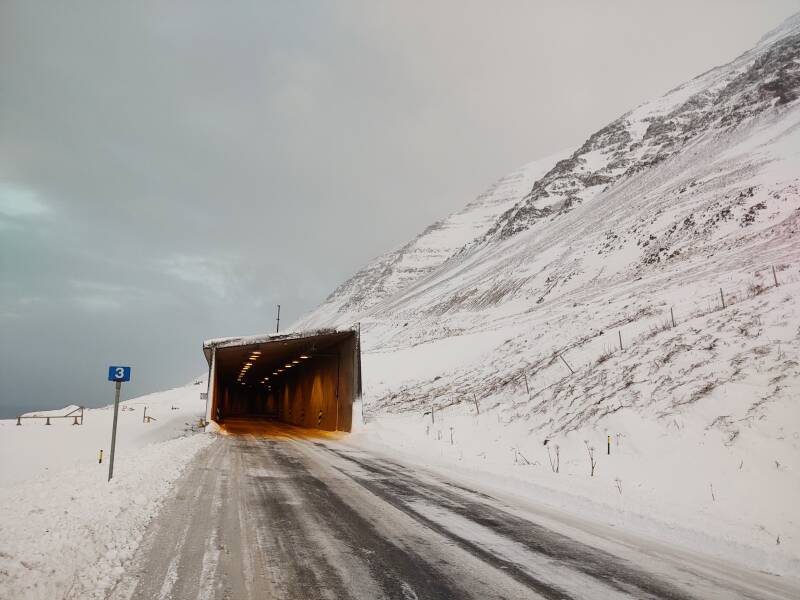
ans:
x=170 y=172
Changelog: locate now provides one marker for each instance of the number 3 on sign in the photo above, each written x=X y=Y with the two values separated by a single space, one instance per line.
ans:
x=119 y=373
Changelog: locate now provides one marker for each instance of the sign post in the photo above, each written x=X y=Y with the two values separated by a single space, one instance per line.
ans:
x=117 y=375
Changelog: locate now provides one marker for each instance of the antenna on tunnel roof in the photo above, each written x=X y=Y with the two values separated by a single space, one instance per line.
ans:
x=278 y=325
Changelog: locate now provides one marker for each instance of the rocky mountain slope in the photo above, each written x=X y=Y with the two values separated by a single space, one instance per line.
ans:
x=691 y=192
x=642 y=290
x=395 y=270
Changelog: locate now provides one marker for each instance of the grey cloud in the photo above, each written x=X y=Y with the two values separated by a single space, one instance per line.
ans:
x=171 y=171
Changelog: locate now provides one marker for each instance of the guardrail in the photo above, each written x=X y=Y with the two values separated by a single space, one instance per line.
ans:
x=76 y=415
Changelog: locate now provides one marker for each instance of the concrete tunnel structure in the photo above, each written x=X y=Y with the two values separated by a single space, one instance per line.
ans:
x=308 y=379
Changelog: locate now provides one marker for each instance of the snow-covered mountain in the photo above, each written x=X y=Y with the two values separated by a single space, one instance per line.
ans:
x=685 y=194
x=395 y=270
x=626 y=290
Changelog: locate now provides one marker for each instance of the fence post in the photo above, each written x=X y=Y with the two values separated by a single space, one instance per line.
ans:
x=477 y=406
x=672 y=315
x=48 y=421
x=774 y=276
x=19 y=420
x=722 y=297
x=566 y=363
x=619 y=331
x=527 y=389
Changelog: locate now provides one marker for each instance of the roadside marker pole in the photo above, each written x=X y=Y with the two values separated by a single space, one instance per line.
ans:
x=118 y=385
x=117 y=375
x=609 y=445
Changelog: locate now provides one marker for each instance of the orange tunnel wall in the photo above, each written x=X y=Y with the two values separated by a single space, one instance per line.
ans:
x=319 y=394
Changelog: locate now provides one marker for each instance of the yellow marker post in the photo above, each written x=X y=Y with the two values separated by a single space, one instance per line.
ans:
x=100 y=457
x=609 y=445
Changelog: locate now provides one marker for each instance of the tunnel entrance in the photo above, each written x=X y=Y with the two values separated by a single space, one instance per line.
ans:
x=306 y=379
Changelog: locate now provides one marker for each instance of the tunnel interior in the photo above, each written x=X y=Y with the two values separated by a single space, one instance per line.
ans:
x=305 y=380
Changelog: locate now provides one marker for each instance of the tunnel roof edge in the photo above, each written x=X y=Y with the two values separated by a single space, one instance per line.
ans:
x=228 y=342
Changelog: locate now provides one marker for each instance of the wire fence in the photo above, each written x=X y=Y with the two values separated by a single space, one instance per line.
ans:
x=532 y=380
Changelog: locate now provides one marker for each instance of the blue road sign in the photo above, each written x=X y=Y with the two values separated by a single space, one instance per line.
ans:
x=119 y=373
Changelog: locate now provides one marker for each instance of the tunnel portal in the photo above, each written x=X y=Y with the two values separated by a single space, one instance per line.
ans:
x=306 y=379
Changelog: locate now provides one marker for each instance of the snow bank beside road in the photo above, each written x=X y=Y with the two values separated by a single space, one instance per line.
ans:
x=65 y=532
x=682 y=488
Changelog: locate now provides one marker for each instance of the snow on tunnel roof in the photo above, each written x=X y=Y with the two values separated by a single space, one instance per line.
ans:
x=228 y=342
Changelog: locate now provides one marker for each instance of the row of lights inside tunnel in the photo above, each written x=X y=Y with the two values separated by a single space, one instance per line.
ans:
x=255 y=355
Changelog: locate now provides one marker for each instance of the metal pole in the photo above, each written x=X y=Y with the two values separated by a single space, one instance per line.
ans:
x=527 y=389
x=278 y=326
x=114 y=431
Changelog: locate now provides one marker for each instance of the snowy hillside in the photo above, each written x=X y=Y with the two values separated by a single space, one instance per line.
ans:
x=629 y=291
x=395 y=270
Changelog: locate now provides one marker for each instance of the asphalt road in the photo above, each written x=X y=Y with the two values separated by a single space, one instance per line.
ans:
x=278 y=513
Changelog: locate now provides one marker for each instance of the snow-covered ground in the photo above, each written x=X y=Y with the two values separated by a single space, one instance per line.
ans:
x=65 y=531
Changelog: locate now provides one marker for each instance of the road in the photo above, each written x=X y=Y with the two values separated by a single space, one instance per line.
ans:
x=279 y=513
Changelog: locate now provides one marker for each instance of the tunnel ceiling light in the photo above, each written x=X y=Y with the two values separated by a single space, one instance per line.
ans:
x=256 y=352
x=303 y=356
x=295 y=362
x=248 y=364
x=288 y=365
x=274 y=372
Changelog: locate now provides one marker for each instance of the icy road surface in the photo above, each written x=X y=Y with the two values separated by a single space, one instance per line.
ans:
x=278 y=513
